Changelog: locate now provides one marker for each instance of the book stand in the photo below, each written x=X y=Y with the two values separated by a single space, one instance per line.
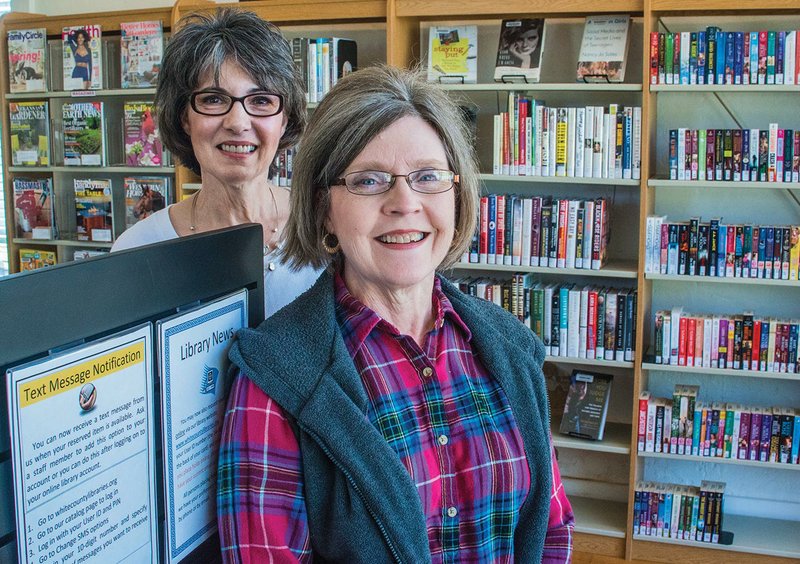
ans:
x=512 y=78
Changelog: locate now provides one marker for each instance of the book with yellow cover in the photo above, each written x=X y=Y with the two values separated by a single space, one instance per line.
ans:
x=453 y=54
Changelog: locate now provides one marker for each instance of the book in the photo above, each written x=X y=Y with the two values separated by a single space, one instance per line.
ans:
x=83 y=57
x=604 y=49
x=81 y=254
x=83 y=134
x=141 y=50
x=34 y=215
x=586 y=405
x=29 y=128
x=93 y=209
x=519 y=52
x=144 y=195
x=453 y=54
x=31 y=259
x=142 y=145
x=27 y=60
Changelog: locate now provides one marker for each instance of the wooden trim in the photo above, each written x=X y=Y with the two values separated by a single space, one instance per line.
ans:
x=108 y=20
x=586 y=544
x=663 y=552
x=722 y=6
x=450 y=9
x=288 y=12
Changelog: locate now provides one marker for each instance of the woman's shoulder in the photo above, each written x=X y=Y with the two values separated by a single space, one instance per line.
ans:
x=154 y=229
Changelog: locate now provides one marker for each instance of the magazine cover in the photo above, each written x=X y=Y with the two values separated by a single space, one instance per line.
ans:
x=144 y=195
x=83 y=57
x=94 y=214
x=29 y=126
x=31 y=259
x=34 y=215
x=83 y=134
x=587 y=405
x=604 y=48
x=80 y=254
x=453 y=54
x=27 y=53
x=142 y=145
x=142 y=46
x=519 y=53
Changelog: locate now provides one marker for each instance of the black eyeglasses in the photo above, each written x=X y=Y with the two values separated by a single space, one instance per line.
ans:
x=257 y=104
x=373 y=182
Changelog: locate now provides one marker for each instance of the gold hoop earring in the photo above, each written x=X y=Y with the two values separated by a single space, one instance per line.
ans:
x=330 y=243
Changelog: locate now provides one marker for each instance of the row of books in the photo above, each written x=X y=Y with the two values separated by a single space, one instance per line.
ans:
x=697 y=248
x=714 y=56
x=453 y=50
x=283 y=167
x=739 y=342
x=83 y=136
x=754 y=155
x=31 y=259
x=532 y=139
x=141 y=50
x=34 y=215
x=322 y=62
x=683 y=426
x=589 y=322
x=679 y=512
x=541 y=231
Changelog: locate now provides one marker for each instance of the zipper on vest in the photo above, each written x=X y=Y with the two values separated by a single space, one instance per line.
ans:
x=353 y=483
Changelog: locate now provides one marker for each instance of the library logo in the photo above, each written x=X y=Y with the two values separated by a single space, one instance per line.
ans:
x=208 y=384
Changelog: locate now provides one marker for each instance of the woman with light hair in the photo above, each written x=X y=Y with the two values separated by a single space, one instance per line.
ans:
x=402 y=421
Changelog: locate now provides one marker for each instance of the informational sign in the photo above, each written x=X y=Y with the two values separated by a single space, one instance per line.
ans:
x=83 y=453
x=193 y=359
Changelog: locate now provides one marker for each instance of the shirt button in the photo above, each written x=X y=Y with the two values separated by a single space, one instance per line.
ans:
x=271 y=266
x=427 y=371
x=442 y=439
x=452 y=511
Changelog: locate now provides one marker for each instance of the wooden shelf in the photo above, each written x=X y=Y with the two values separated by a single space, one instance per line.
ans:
x=725 y=88
x=706 y=184
x=544 y=87
x=723 y=280
x=597 y=363
x=599 y=516
x=559 y=180
x=298 y=12
x=739 y=7
x=616 y=440
x=128 y=92
x=772 y=537
x=141 y=170
x=612 y=269
x=721 y=371
x=714 y=460
x=63 y=242
x=460 y=9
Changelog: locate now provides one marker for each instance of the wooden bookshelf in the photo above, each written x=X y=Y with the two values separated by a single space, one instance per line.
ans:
x=720 y=185
x=756 y=374
x=588 y=181
x=721 y=280
x=616 y=440
x=718 y=460
x=612 y=269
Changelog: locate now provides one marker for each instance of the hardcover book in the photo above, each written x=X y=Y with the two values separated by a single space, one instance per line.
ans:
x=31 y=259
x=587 y=405
x=27 y=57
x=144 y=195
x=93 y=209
x=519 y=53
x=453 y=54
x=83 y=57
x=29 y=126
x=141 y=49
x=604 y=49
x=142 y=145
x=34 y=216
x=83 y=134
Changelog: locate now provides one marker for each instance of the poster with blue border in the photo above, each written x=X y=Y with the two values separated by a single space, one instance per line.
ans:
x=193 y=361
x=83 y=450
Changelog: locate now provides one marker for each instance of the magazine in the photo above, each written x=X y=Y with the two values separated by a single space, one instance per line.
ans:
x=31 y=259
x=34 y=215
x=604 y=48
x=519 y=53
x=83 y=57
x=453 y=54
x=29 y=126
x=142 y=145
x=144 y=195
x=83 y=134
x=587 y=405
x=93 y=210
x=142 y=46
x=27 y=57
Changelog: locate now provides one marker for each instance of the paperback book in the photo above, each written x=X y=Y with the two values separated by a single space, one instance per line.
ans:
x=519 y=53
x=453 y=54
x=27 y=57
x=142 y=145
x=587 y=405
x=93 y=210
x=33 y=208
x=604 y=49
x=142 y=46
x=81 y=254
x=30 y=133
x=31 y=259
x=83 y=134
x=83 y=57
x=144 y=195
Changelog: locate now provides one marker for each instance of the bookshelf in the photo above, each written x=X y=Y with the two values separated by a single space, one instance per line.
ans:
x=113 y=98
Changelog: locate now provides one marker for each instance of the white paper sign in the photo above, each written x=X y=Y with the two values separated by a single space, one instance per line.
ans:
x=83 y=452
x=193 y=359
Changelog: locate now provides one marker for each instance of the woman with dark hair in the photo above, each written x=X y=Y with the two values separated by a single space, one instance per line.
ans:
x=228 y=98
x=403 y=421
x=78 y=41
